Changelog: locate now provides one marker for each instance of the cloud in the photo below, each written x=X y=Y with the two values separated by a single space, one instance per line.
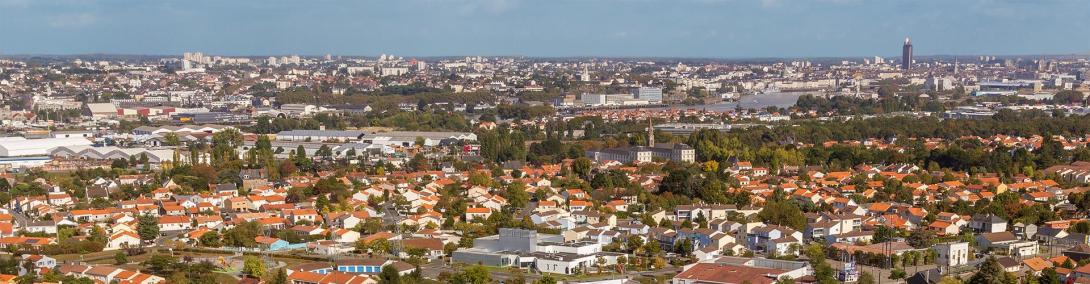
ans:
x=72 y=20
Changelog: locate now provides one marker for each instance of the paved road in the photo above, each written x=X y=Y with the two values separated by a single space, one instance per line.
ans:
x=390 y=216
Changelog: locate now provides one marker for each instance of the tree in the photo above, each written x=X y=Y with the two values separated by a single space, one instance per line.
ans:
x=473 y=275
x=281 y=277
x=991 y=272
x=784 y=213
x=253 y=266
x=582 y=166
x=120 y=258
x=171 y=139
x=546 y=280
x=866 y=278
x=1049 y=276
x=161 y=264
x=147 y=227
x=389 y=275
x=211 y=239
x=921 y=238
x=950 y=280
x=897 y=273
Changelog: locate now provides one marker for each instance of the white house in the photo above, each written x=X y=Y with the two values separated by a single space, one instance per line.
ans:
x=123 y=240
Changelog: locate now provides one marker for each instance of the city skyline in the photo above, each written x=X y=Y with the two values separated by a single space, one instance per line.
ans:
x=608 y=28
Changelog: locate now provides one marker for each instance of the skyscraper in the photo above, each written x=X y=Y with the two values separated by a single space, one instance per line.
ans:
x=906 y=55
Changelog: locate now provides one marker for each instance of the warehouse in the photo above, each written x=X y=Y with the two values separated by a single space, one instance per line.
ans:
x=113 y=153
x=409 y=138
x=19 y=146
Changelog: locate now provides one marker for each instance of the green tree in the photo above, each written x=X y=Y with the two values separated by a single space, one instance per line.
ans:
x=547 y=279
x=389 y=275
x=253 y=266
x=991 y=272
x=147 y=227
x=120 y=258
x=281 y=277
x=211 y=239
x=581 y=167
x=866 y=278
x=921 y=238
x=473 y=275
x=1049 y=276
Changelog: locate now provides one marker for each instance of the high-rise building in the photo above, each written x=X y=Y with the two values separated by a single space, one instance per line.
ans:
x=650 y=94
x=906 y=54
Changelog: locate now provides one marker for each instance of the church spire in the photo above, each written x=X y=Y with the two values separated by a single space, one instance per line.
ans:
x=650 y=133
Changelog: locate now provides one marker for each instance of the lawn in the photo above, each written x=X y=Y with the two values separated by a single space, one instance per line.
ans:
x=222 y=278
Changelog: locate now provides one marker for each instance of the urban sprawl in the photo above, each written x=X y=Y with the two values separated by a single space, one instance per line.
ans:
x=350 y=170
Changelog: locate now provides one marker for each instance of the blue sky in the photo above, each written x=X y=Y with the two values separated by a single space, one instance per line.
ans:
x=670 y=28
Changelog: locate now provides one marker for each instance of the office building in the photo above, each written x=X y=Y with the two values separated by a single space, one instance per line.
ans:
x=906 y=55
x=650 y=94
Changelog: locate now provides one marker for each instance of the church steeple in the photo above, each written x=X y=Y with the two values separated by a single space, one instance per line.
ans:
x=650 y=134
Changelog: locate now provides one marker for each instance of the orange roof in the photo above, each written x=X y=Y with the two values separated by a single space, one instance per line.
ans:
x=1037 y=263
x=478 y=210
x=880 y=207
x=579 y=203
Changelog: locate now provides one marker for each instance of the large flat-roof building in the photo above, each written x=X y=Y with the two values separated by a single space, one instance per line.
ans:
x=19 y=146
x=644 y=154
x=529 y=249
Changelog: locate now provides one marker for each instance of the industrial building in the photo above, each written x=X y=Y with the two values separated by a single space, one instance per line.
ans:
x=21 y=147
x=113 y=153
x=538 y=252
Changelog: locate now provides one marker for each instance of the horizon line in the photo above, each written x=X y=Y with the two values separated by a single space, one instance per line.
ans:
x=21 y=55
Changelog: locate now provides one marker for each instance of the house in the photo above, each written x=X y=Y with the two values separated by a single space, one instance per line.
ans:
x=350 y=220
x=274 y=244
x=944 y=228
x=1078 y=253
x=773 y=239
x=39 y=261
x=108 y=274
x=475 y=213
x=1036 y=265
x=988 y=240
x=8 y=279
x=125 y=239
x=1008 y=243
x=1025 y=231
x=174 y=223
x=1010 y=264
x=334 y=277
x=432 y=248
x=345 y=236
x=987 y=223
x=300 y=215
x=952 y=254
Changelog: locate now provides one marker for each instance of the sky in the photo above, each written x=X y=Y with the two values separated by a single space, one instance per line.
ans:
x=546 y=28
